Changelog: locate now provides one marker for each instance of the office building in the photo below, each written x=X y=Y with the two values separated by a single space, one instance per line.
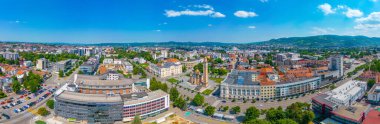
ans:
x=42 y=64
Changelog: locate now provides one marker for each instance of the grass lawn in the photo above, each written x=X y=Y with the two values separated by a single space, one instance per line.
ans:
x=217 y=80
x=172 y=80
x=40 y=122
x=207 y=92
x=144 y=65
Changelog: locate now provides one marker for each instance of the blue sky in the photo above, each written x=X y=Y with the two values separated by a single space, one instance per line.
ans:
x=94 y=21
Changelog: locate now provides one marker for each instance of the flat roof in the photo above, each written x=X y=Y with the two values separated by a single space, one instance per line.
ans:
x=97 y=81
x=322 y=98
x=353 y=112
x=372 y=117
x=93 y=98
x=142 y=97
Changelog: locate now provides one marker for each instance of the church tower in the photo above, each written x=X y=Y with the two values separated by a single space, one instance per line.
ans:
x=205 y=72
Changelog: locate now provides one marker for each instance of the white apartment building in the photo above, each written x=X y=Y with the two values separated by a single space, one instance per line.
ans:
x=348 y=93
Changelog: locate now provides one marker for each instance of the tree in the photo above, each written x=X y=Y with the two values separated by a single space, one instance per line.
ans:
x=2 y=94
x=184 y=69
x=60 y=73
x=198 y=99
x=180 y=103
x=43 y=111
x=136 y=120
x=50 y=104
x=80 y=72
x=173 y=93
x=236 y=109
x=257 y=121
x=275 y=114
x=210 y=110
x=16 y=86
x=307 y=116
x=370 y=83
x=286 y=121
x=225 y=108
x=251 y=113
x=222 y=72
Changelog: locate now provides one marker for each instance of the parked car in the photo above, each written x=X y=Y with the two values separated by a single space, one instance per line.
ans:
x=6 y=116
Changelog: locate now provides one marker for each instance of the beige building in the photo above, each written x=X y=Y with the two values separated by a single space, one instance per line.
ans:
x=171 y=67
x=42 y=64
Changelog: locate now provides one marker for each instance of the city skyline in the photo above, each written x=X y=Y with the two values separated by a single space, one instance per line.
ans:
x=196 y=21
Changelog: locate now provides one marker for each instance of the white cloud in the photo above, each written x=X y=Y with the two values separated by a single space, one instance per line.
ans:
x=210 y=25
x=218 y=15
x=350 y=13
x=204 y=6
x=245 y=14
x=201 y=10
x=251 y=27
x=326 y=8
x=373 y=0
x=371 y=22
x=320 y=31
x=264 y=1
x=157 y=30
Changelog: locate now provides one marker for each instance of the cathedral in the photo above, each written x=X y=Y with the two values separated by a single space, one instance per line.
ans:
x=200 y=79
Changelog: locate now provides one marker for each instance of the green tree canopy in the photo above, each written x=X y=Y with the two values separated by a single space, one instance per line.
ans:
x=174 y=94
x=251 y=113
x=210 y=110
x=50 y=104
x=198 y=99
x=136 y=120
x=16 y=86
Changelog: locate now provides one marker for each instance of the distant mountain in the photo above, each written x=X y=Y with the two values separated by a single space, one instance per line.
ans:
x=324 y=41
x=167 y=44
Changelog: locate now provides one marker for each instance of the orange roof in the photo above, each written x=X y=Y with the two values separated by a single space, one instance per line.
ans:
x=20 y=72
x=174 y=60
x=266 y=70
x=266 y=81
x=102 y=69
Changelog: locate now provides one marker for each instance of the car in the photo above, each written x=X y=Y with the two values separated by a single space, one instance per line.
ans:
x=16 y=110
x=22 y=109
x=6 y=116
x=26 y=106
x=31 y=103
x=3 y=107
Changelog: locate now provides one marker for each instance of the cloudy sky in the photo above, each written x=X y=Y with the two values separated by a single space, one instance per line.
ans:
x=94 y=21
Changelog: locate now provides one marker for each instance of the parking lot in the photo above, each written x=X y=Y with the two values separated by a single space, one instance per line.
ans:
x=18 y=104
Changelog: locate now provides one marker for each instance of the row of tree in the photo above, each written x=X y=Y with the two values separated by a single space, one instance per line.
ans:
x=51 y=57
x=156 y=85
x=296 y=113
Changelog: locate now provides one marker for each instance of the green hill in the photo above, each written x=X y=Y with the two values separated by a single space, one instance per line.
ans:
x=324 y=41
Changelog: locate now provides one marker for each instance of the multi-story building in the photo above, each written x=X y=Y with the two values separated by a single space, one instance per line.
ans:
x=108 y=108
x=374 y=94
x=10 y=55
x=190 y=64
x=100 y=85
x=341 y=101
x=64 y=65
x=253 y=84
x=171 y=67
x=348 y=93
x=144 y=104
x=90 y=66
x=93 y=108
x=42 y=64
x=336 y=64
